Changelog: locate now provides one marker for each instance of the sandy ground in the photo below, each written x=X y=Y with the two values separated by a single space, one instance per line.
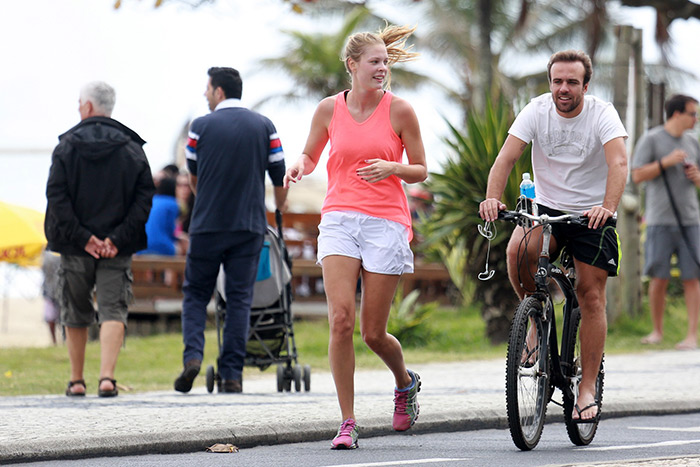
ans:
x=22 y=323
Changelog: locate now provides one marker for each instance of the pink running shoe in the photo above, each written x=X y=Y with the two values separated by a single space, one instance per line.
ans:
x=347 y=435
x=406 y=405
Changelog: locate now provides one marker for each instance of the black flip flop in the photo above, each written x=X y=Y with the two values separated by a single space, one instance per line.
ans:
x=109 y=392
x=73 y=383
x=586 y=420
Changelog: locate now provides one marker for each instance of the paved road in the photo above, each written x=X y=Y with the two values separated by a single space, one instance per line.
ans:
x=455 y=396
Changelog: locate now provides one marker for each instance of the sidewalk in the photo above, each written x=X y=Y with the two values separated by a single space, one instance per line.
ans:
x=454 y=396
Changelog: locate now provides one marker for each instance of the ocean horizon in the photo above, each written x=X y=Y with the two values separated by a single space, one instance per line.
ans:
x=25 y=172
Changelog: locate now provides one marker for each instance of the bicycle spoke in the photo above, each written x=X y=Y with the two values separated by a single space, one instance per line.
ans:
x=580 y=434
x=526 y=379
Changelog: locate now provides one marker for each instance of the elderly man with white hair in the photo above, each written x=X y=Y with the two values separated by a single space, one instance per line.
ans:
x=99 y=195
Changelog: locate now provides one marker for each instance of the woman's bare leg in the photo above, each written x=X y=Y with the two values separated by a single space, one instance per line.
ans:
x=340 y=274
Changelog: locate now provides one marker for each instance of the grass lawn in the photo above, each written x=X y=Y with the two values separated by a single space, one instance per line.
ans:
x=152 y=363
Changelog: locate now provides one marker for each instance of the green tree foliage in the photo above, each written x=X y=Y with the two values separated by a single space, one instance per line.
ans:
x=667 y=11
x=313 y=61
x=409 y=321
x=482 y=39
x=450 y=231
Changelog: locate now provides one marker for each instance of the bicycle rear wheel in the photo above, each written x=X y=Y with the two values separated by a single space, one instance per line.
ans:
x=527 y=369
x=581 y=434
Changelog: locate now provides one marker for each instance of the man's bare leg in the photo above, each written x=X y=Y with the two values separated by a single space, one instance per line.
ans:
x=522 y=275
x=593 y=330
x=657 y=304
x=76 y=340
x=111 y=340
x=691 y=290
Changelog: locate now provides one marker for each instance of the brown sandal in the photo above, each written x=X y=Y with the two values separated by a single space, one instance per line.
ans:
x=108 y=392
x=69 y=393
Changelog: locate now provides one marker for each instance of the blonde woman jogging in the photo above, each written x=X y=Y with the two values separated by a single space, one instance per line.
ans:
x=366 y=223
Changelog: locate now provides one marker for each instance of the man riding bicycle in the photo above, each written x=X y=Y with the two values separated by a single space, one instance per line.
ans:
x=580 y=165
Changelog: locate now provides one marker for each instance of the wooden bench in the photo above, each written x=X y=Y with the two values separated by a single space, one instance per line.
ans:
x=158 y=280
x=305 y=227
x=431 y=279
x=157 y=289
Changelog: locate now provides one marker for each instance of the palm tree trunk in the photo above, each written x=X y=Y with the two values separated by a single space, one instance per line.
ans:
x=485 y=72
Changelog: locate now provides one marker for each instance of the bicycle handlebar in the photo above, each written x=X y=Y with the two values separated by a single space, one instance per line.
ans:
x=514 y=216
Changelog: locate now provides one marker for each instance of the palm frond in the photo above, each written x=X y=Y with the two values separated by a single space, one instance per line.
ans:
x=461 y=186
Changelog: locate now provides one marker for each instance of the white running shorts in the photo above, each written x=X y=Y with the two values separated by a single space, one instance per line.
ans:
x=381 y=244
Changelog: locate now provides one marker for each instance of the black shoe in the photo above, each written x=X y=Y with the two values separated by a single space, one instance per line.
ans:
x=231 y=385
x=183 y=383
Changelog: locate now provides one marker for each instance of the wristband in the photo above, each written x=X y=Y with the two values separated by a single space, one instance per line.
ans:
x=661 y=167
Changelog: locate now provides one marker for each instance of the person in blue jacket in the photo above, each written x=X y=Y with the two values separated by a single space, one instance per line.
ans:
x=160 y=227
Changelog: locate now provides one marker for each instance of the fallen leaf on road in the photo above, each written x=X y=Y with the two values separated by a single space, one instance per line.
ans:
x=222 y=448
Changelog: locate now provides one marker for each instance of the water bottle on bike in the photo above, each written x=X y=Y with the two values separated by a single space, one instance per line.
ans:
x=527 y=186
x=527 y=194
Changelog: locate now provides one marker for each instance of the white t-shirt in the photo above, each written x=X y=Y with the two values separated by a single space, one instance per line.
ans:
x=568 y=159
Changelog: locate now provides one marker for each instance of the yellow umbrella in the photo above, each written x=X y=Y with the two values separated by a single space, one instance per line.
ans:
x=21 y=234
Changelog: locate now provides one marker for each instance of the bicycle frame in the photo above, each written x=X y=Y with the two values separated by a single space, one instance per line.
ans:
x=546 y=270
x=535 y=368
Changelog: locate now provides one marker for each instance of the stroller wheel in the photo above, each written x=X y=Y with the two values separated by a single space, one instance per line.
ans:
x=280 y=378
x=297 y=378
x=307 y=378
x=210 y=378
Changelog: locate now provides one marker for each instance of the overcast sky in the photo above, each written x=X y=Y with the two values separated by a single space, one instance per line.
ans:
x=157 y=61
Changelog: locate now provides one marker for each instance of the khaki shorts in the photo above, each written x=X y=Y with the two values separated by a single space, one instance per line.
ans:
x=662 y=242
x=381 y=244
x=79 y=276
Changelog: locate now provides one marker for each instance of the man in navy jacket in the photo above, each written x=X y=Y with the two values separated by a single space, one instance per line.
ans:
x=228 y=153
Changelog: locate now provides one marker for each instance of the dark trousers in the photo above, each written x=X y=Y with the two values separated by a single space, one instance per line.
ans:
x=239 y=252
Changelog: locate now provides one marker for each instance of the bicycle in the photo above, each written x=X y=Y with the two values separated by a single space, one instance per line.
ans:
x=535 y=365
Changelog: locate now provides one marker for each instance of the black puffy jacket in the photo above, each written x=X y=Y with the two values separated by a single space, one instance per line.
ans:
x=99 y=184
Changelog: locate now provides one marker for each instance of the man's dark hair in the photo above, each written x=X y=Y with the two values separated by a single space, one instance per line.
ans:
x=677 y=103
x=228 y=79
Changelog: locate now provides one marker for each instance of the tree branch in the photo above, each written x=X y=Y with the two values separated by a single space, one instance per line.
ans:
x=670 y=9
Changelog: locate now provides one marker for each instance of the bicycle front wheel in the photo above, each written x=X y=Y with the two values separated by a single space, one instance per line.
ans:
x=581 y=434
x=527 y=375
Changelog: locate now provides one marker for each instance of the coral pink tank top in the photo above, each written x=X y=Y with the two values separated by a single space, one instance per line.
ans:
x=353 y=143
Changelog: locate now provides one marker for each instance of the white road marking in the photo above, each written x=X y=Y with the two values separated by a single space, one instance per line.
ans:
x=692 y=429
x=403 y=462
x=636 y=446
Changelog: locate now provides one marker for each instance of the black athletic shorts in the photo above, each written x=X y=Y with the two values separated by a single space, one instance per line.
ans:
x=599 y=247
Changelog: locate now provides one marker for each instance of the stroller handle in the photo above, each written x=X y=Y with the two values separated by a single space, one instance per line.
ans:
x=278 y=221
x=280 y=238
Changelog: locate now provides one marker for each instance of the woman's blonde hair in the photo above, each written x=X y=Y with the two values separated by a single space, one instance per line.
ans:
x=393 y=37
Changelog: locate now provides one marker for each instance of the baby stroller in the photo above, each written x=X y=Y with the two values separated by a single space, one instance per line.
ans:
x=271 y=333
